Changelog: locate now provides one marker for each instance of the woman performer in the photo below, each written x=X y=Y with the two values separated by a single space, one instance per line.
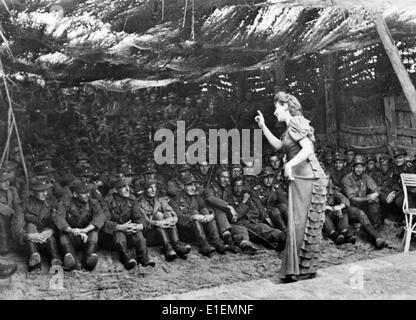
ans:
x=307 y=189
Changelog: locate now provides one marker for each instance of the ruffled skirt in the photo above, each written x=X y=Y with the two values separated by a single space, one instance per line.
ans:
x=306 y=216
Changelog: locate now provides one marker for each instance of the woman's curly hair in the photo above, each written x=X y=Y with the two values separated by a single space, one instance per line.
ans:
x=294 y=106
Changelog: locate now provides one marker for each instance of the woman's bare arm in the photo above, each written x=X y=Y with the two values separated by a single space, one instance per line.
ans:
x=274 y=142
x=303 y=154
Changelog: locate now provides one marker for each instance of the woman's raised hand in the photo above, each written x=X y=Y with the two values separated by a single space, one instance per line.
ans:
x=259 y=119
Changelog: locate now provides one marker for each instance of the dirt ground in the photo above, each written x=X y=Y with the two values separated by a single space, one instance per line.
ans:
x=111 y=281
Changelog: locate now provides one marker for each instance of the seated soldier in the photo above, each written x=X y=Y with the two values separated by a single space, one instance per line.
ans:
x=218 y=196
x=363 y=193
x=337 y=171
x=336 y=224
x=78 y=223
x=250 y=180
x=44 y=169
x=349 y=154
x=203 y=176
x=401 y=165
x=126 y=225
x=194 y=217
x=162 y=220
x=85 y=175
x=390 y=188
x=270 y=197
x=37 y=230
x=256 y=222
x=371 y=168
x=9 y=207
x=175 y=185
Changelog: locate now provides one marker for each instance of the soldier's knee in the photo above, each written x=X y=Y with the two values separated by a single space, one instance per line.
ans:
x=31 y=228
x=158 y=216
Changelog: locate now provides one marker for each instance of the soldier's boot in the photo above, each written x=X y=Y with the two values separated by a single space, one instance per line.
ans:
x=35 y=259
x=142 y=254
x=125 y=258
x=338 y=238
x=7 y=270
x=4 y=236
x=228 y=240
x=70 y=258
x=182 y=249
x=204 y=247
x=90 y=255
x=375 y=237
x=170 y=254
x=277 y=219
x=349 y=236
x=54 y=251
x=248 y=247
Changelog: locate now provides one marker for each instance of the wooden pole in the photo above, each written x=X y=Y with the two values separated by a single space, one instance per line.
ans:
x=390 y=118
x=280 y=74
x=396 y=61
x=330 y=104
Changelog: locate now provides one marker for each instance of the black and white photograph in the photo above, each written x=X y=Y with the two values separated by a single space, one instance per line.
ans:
x=207 y=150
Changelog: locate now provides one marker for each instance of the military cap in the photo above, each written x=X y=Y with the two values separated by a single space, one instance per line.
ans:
x=359 y=159
x=43 y=168
x=40 y=183
x=126 y=169
x=328 y=158
x=147 y=183
x=44 y=156
x=183 y=167
x=171 y=94
x=80 y=187
x=338 y=157
x=84 y=171
x=10 y=165
x=149 y=168
x=236 y=165
x=267 y=171
x=188 y=179
x=348 y=149
x=120 y=182
x=371 y=157
x=399 y=152
x=385 y=158
x=81 y=156
x=4 y=175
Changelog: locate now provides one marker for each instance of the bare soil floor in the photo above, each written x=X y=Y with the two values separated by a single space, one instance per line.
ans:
x=111 y=281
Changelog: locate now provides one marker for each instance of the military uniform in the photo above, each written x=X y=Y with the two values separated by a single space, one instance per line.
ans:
x=176 y=185
x=157 y=209
x=406 y=167
x=10 y=204
x=368 y=214
x=219 y=198
x=122 y=210
x=274 y=201
x=78 y=214
x=36 y=218
x=206 y=234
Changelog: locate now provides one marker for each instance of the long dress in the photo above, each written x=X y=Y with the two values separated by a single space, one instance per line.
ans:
x=306 y=207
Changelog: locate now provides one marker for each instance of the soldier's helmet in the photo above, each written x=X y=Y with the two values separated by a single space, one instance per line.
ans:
x=149 y=168
x=338 y=157
x=359 y=159
x=39 y=183
x=397 y=152
x=267 y=171
x=4 y=175
x=80 y=187
x=371 y=157
x=126 y=169
x=84 y=171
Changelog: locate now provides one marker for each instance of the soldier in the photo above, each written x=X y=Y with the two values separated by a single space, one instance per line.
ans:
x=78 y=223
x=126 y=225
x=37 y=229
x=363 y=193
x=250 y=180
x=218 y=196
x=85 y=175
x=270 y=196
x=328 y=161
x=194 y=216
x=188 y=113
x=255 y=220
x=401 y=165
x=338 y=171
x=162 y=220
x=371 y=168
x=175 y=185
x=336 y=217
x=203 y=176
x=44 y=169
x=9 y=207
x=171 y=113
x=390 y=188
x=349 y=159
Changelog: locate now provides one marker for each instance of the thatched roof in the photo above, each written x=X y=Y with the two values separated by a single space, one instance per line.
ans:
x=125 y=39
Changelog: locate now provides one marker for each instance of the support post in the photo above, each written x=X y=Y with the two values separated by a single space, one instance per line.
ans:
x=330 y=104
x=390 y=119
x=280 y=73
x=396 y=61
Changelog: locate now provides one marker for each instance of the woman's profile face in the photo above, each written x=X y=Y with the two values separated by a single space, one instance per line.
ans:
x=281 y=111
